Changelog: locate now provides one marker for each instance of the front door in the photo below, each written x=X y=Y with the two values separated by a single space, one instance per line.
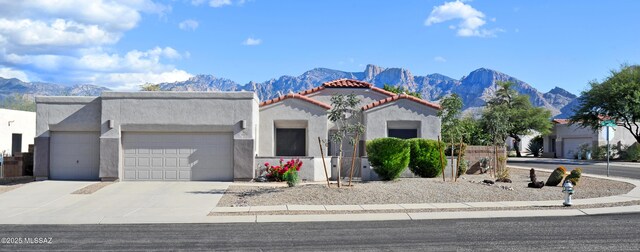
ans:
x=16 y=143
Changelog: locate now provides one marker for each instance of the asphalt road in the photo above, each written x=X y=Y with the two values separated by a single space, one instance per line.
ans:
x=583 y=233
x=627 y=170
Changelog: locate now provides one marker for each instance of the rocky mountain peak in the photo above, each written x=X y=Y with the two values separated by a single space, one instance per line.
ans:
x=371 y=71
x=561 y=91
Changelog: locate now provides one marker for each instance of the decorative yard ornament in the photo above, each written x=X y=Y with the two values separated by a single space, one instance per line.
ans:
x=567 y=189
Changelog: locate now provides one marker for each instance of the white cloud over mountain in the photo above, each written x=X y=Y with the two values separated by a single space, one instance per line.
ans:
x=71 y=42
x=471 y=20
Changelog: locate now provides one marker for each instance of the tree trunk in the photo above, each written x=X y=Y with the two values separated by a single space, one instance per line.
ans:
x=323 y=162
x=453 y=150
x=353 y=159
x=517 y=144
x=339 y=164
x=441 y=150
x=459 y=160
x=495 y=169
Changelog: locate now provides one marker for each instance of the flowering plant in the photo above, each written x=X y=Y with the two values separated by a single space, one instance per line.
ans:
x=284 y=171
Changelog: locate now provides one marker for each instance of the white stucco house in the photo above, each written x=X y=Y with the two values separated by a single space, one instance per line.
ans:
x=220 y=136
x=17 y=130
x=523 y=144
x=565 y=139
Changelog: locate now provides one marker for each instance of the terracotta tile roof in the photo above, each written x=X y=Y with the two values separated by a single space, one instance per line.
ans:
x=382 y=91
x=347 y=83
x=295 y=96
x=309 y=91
x=401 y=96
x=561 y=121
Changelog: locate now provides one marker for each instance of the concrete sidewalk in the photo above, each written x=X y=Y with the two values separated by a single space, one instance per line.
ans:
x=568 y=161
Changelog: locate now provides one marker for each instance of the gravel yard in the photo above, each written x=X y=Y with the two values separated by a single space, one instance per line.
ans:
x=93 y=187
x=418 y=190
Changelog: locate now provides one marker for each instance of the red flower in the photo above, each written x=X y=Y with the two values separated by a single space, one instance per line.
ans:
x=266 y=164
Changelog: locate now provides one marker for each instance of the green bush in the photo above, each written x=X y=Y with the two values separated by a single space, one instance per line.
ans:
x=447 y=151
x=574 y=176
x=463 y=167
x=425 y=157
x=556 y=176
x=535 y=146
x=632 y=153
x=292 y=177
x=599 y=152
x=388 y=156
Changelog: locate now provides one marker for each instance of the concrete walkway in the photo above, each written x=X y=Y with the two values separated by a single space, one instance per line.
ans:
x=561 y=161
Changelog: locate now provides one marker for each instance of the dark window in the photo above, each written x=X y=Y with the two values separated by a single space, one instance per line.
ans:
x=16 y=143
x=290 y=142
x=403 y=133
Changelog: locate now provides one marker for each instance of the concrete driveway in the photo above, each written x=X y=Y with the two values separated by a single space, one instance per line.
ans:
x=51 y=202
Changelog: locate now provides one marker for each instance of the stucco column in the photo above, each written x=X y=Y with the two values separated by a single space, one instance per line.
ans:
x=243 y=159
x=109 y=158
x=41 y=158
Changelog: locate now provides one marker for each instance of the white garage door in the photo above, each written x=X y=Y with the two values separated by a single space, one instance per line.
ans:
x=74 y=155
x=178 y=156
x=571 y=146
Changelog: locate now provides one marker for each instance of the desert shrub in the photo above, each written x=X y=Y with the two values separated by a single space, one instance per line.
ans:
x=599 y=152
x=631 y=153
x=447 y=151
x=556 y=176
x=463 y=167
x=291 y=177
x=485 y=164
x=503 y=174
x=424 y=159
x=388 y=156
x=284 y=171
x=535 y=146
x=574 y=176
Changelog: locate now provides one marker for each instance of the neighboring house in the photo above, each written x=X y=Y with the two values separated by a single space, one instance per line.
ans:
x=17 y=130
x=523 y=144
x=565 y=139
x=208 y=135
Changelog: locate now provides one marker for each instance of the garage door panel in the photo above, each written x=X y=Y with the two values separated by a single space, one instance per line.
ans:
x=571 y=145
x=178 y=156
x=74 y=155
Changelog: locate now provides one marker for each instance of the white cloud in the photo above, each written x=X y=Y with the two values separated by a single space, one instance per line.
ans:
x=252 y=42
x=197 y=2
x=46 y=36
x=188 y=24
x=471 y=20
x=70 y=42
x=439 y=59
x=132 y=81
x=103 y=68
x=9 y=73
x=219 y=3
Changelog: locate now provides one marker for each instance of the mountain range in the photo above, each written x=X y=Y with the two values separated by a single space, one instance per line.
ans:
x=474 y=89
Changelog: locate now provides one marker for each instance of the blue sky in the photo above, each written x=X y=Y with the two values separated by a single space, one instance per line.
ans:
x=121 y=44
